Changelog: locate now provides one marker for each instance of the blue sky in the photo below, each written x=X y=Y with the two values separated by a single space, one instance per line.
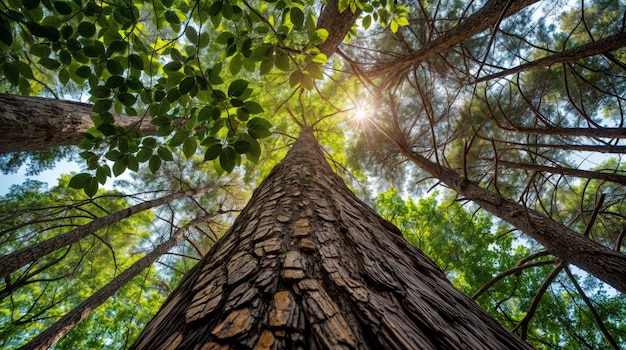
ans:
x=49 y=176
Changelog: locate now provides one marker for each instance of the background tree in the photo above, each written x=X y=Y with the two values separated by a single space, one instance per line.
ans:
x=504 y=102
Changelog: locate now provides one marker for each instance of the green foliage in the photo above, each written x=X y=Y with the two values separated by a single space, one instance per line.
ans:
x=40 y=293
x=471 y=250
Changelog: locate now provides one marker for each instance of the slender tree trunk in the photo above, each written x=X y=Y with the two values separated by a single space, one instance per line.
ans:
x=557 y=169
x=11 y=262
x=307 y=265
x=489 y=15
x=66 y=323
x=35 y=123
x=605 y=45
x=570 y=246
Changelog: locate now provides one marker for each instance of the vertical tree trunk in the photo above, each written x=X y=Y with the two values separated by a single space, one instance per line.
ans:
x=307 y=265
x=35 y=123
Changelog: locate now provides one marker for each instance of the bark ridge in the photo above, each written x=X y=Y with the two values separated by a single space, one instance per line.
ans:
x=307 y=265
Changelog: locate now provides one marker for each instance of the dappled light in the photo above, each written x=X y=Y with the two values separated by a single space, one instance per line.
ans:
x=247 y=141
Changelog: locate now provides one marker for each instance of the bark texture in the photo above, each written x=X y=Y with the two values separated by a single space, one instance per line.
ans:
x=605 y=45
x=489 y=15
x=572 y=247
x=307 y=265
x=35 y=123
x=11 y=262
x=337 y=24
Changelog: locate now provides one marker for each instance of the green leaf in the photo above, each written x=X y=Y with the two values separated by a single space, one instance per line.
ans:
x=366 y=22
x=319 y=36
x=165 y=154
x=63 y=8
x=241 y=146
x=25 y=70
x=294 y=78
x=113 y=154
x=114 y=67
x=114 y=82
x=215 y=8
x=11 y=73
x=173 y=66
x=343 y=5
x=228 y=158
x=259 y=128
x=191 y=34
x=253 y=107
x=49 y=63
x=102 y=173
x=254 y=152
x=102 y=106
x=144 y=154
x=127 y=99
x=95 y=50
x=119 y=167
x=86 y=29
x=6 y=36
x=107 y=129
x=189 y=146
x=64 y=76
x=135 y=61
x=31 y=4
x=40 y=50
x=83 y=72
x=178 y=138
x=172 y=17
x=282 y=62
x=186 y=85
x=242 y=114
x=91 y=188
x=79 y=181
x=154 y=164
x=297 y=17
x=100 y=92
x=236 y=62
x=213 y=151
x=237 y=87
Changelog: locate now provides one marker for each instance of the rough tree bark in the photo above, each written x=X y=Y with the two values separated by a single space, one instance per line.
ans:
x=574 y=248
x=307 y=265
x=337 y=24
x=13 y=261
x=35 y=123
x=489 y=15
x=604 y=45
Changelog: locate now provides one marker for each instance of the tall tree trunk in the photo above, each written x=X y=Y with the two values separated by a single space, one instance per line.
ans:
x=337 y=24
x=66 y=323
x=574 y=248
x=11 y=262
x=492 y=12
x=35 y=123
x=307 y=265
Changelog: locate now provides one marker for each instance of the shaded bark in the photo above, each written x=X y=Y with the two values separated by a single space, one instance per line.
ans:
x=489 y=15
x=307 y=265
x=11 y=262
x=557 y=169
x=66 y=323
x=605 y=45
x=36 y=123
x=562 y=242
x=337 y=24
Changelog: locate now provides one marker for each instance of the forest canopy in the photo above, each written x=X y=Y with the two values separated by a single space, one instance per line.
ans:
x=491 y=133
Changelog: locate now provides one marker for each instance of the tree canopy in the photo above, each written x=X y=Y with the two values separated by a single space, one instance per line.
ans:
x=512 y=110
